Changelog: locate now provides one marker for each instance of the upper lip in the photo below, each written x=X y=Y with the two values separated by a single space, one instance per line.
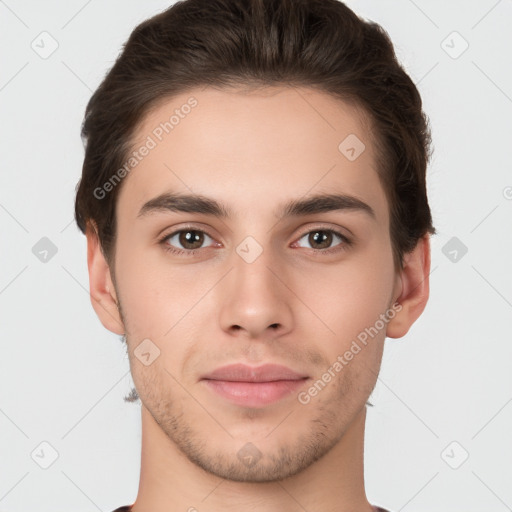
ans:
x=244 y=373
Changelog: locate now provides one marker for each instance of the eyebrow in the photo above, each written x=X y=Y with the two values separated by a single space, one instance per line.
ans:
x=196 y=203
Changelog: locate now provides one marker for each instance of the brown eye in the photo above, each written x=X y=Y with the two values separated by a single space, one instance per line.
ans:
x=185 y=240
x=322 y=239
x=190 y=239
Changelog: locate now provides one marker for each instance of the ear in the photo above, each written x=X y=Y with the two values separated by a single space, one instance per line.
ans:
x=102 y=291
x=412 y=289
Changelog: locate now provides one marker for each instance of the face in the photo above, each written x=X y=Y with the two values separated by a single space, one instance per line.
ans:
x=302 y=289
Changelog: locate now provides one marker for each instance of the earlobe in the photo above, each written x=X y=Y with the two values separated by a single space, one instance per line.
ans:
x=413 y=298
x=103 y=295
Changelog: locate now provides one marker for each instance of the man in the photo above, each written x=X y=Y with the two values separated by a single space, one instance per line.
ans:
x=254 y=200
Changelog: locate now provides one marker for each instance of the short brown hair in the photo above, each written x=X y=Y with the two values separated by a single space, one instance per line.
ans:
x=316 y=43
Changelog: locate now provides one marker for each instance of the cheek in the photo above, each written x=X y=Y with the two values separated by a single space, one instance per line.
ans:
x=350 y=301
x=349 y=296
x=148 y=296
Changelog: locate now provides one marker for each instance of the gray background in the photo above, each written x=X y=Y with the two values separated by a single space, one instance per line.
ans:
x=445 y=389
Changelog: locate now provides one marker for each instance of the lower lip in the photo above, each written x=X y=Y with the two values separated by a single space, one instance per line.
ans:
x=254 y=394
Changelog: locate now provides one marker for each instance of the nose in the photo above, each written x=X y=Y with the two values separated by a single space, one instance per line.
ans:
x=255 y=299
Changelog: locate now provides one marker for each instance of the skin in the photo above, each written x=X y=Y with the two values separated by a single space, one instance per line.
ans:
x=254 y=151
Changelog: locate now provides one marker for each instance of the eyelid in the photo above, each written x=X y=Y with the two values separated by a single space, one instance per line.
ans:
x=178 y=228
x=199 y=227
x=324 y=227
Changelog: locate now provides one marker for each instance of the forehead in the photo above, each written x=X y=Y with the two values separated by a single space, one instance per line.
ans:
x=252 y=148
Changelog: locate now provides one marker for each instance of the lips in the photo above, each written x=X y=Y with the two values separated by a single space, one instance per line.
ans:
x=245 y=373
x=249 y=386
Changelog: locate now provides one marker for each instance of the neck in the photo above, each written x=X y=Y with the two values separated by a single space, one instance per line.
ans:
x=170 y=482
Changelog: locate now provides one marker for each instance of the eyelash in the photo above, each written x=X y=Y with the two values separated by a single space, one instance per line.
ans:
x=347 y=243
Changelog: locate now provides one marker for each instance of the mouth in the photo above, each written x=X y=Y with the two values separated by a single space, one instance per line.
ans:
x=254 y=386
